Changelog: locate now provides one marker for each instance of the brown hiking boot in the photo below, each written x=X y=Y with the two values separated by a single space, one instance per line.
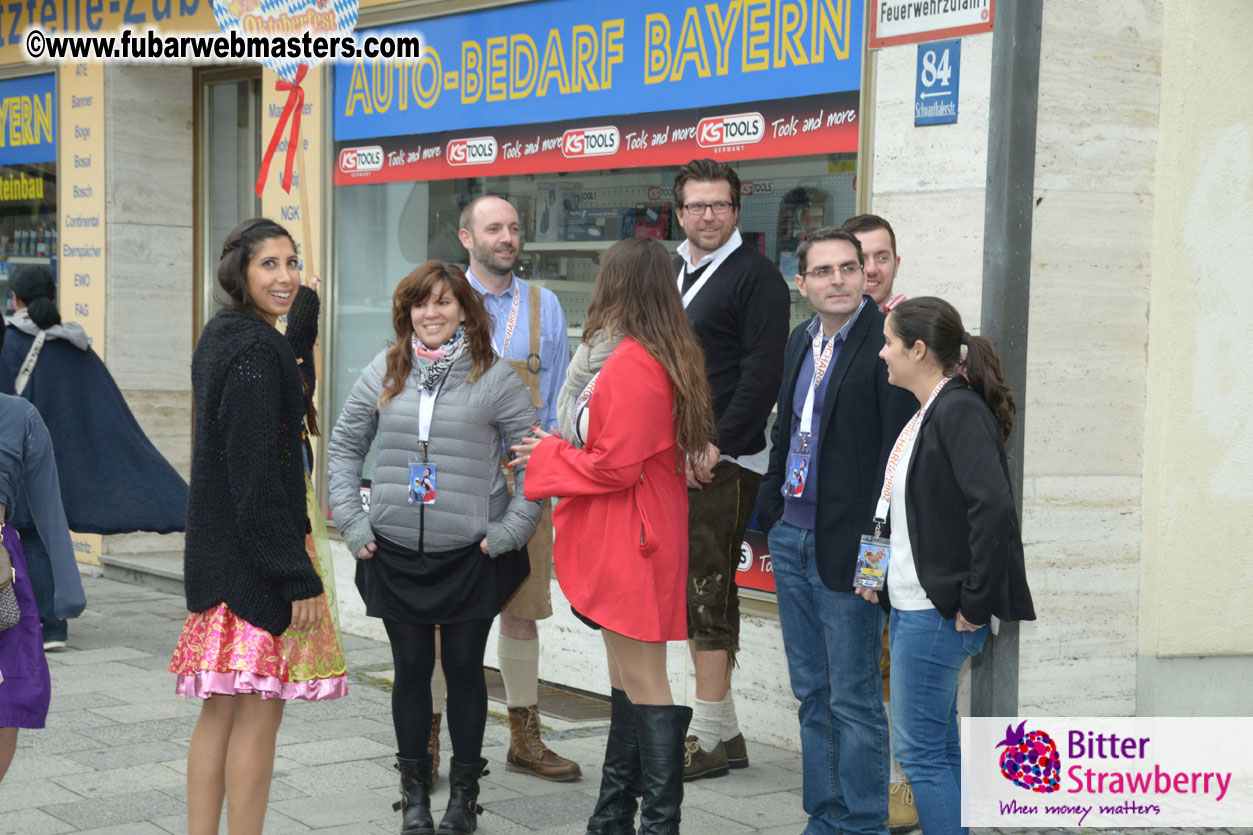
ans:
x=902 y=816
x=697 y=762
x=432 y=747
x=529 y=755
x=737 y=751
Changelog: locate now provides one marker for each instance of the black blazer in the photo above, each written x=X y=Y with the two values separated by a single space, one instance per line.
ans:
x=963 y=525
x=862 y=415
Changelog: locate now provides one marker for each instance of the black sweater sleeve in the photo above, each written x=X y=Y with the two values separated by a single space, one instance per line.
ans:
x=765 y=310
x=251 y=430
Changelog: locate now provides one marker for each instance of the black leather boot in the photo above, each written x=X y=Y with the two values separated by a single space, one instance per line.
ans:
x=661 y=730
x=415 y=796
x=462 y=815
x=620 y=775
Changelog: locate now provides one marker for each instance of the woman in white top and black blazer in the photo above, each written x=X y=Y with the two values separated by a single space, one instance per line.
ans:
x=957 y=557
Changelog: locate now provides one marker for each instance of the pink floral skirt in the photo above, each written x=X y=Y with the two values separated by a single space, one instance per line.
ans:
x=221 y=653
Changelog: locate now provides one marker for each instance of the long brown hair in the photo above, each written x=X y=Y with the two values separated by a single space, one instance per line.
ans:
x=938 y=324
x=416 y=288
x=636 y=296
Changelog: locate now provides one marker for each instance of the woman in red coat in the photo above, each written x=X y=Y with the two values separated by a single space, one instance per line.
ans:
x=620 y=547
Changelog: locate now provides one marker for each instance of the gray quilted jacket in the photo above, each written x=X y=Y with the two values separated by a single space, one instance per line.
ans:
x=468 y=426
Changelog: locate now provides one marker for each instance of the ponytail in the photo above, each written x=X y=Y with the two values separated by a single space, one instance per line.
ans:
x=938 y=325
x=35 y=287
x=43 y=312
x=983 y=373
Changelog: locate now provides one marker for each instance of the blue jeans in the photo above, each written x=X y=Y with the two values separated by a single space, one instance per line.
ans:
x=833 y=640
x=39 y=564
x=927 y=658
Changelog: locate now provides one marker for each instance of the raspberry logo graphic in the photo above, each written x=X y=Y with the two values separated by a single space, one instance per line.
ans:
x=1030 y=759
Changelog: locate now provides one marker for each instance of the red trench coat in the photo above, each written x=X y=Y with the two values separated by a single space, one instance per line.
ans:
x=620 y=545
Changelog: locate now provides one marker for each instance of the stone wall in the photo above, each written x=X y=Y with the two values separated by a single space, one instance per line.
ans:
x=150 y=285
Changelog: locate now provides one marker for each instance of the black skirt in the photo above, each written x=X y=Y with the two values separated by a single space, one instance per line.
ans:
x=435 y=587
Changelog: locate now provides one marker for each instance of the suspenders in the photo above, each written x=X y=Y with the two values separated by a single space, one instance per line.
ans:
x=529 y=368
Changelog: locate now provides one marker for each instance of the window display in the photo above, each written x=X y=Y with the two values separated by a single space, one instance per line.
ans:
x=28 y=176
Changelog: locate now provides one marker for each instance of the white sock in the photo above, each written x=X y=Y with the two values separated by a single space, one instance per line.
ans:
x=730 y=722
x=519 y=667
x=706 y=724
x=439 y=688
x=896 y=775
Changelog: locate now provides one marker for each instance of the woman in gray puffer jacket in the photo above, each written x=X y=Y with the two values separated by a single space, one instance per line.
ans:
x=444 y=544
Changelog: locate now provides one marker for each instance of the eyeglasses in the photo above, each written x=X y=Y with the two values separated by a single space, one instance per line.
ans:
x=698 y=209
x=826 y=271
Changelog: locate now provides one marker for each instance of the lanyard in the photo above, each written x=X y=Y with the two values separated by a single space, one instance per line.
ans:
x=426 y=410
x=513 y=320
x=821 y=363
x=700 y=282
x=894 y=460
x=585 y=396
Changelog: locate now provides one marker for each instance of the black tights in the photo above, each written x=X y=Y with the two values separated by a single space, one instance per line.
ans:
x=413 y=652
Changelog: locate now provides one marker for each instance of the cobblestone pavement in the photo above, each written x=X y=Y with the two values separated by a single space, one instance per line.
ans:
x=112 y=760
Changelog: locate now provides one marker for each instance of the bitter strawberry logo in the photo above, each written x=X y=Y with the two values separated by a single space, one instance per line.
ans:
x=1030 y=759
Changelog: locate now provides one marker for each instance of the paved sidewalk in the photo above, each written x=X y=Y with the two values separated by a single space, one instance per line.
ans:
x=113 y=757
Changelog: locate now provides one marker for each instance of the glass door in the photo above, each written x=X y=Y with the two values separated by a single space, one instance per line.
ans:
x=228 y=109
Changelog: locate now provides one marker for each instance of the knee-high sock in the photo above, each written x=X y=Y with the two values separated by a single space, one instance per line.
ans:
x=730 y=722
x=706 y=724
x=519 y=667
x=439 y=689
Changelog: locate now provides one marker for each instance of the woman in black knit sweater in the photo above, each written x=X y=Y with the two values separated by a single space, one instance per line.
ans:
x=259 y=631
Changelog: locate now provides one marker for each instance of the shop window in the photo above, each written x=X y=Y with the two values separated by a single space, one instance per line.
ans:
x=28 y=178
x=384 y=230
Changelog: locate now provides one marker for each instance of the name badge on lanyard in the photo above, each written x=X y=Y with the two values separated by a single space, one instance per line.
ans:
x=875 y=552
x=423 y=471
x=798 y=459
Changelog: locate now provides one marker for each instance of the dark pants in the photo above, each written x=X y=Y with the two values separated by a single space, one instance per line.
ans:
x=40 y=566
x=717 y=516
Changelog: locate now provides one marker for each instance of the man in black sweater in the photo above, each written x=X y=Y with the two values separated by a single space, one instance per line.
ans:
x=739 y=307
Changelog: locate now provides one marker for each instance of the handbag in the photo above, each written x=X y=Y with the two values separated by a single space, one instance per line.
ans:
x=10 y=614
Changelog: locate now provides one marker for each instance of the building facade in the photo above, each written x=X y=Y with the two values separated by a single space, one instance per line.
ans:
x=126 y=178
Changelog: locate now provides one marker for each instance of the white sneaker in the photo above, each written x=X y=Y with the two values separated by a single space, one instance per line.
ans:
x=54 y=646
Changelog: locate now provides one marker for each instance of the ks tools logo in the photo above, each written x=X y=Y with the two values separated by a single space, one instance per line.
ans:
x=739 y=129
x=1030 y=760
x=477 y=151
x=590 y=142
x=352 y=160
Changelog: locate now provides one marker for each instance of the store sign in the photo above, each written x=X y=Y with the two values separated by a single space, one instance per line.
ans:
x=894 y=22
x=936 y=82
x=736 y=129
x=512 y=66
x=780 y=128
x=756 y=568
x=590 y=142
x=28 y=122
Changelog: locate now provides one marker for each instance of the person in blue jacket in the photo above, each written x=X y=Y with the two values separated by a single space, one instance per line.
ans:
x=27 y=468
x=113 y=480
